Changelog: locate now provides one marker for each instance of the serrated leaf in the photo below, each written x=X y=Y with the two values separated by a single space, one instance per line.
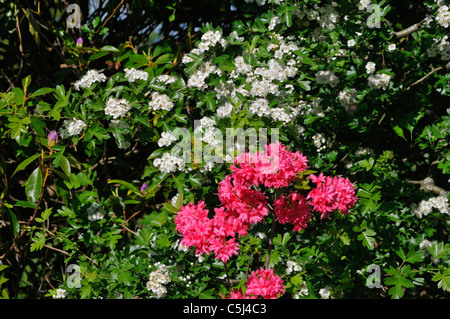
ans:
x=444 y=279
x=367 y=239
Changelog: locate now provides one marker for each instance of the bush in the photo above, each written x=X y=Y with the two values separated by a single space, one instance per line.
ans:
x=150 y=179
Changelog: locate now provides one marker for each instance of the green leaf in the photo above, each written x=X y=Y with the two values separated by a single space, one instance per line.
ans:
x=130 y=186
x=65 y=165
x=13 y=222
x=25 y=163
x=26 y=82
x=439 y=250
x=33 y=186
x=208 y=294
x=109 y=48
x=444 y=279
x=399 y=131
x=38 y=242
x=41 y=91
x=367 y=239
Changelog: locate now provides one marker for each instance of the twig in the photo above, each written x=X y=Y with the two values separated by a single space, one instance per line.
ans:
x=425 y=76
x=56 y=249
x=112 y=14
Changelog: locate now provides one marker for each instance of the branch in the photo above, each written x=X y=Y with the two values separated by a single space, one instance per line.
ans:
x=428 y=185
x=426 y=75
x=409 y=30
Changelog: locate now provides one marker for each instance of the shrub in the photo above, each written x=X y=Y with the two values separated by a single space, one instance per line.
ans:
x=121 y=169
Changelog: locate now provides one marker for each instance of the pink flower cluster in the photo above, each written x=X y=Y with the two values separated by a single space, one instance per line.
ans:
x=207 y=234
x=244 y=203
x=262 y=283
x=332 y=194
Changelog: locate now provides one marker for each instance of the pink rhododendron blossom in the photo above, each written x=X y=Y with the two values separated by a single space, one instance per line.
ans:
x=331 y=194
x=293 y=209
x=193 y=223
x=262 y=283
x=276 y=168
x=244 y=203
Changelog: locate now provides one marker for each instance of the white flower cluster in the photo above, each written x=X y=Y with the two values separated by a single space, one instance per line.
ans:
x=441 y=47
x=157 y=279
x=327 y=77
x=347 y=98
x=160 y=102
x=273 y=22
x=370 y=67
x=260 y=107
x=169 y=164
x=71 y=127
x=134 y=74
x=325 y=293
x=364 y=4
x=207 y=131
x=293 y=266
x=166 y=78
x=314 y=108
x=280 y=115
x=178 y=245
x=197 y=79
x=89 y=78
x=379 y=81
x=326 y=16
x=208 y=40
x=443 y=16
x=241 y=66
x=302 y=292
x=95 y=212
x=166 y=139
x=224 y=110
x=424 y=244
x=282 y=48
x=425 y=207
x=319 y=141
x=117 y=107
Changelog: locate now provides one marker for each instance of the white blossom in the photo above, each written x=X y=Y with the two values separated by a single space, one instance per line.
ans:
x=89 y=79
x=443 y=16
x=327 y=77
x=71 y=127
x=117 y=107
x=60 y=293
x=134 y=74
x=160 y=101
x=166 y=139
x=370 y=67
x=379 y=81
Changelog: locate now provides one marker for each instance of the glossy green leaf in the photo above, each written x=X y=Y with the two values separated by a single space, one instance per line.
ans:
x=33 y=186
